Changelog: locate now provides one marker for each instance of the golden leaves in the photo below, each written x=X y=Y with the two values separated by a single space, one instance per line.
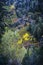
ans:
x=19 y=41
x=26 y=37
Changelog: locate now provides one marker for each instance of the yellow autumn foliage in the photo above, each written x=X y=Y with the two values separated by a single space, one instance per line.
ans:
x=19 y=41
x=26 y=39
x=26 y=36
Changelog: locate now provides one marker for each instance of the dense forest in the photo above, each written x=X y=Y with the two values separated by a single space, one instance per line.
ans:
x=21 y=32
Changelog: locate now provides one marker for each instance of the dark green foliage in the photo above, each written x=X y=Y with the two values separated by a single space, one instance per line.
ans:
x=3 y=60
x=40 y=60
x=41 y=56
x=36 y=27
x=41 y=52
x=24 y=6
x=2 y=25
x=26 y=59
x=40 y=6
x=31 y=59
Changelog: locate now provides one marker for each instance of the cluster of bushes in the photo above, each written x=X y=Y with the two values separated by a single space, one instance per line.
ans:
x=11 y=53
